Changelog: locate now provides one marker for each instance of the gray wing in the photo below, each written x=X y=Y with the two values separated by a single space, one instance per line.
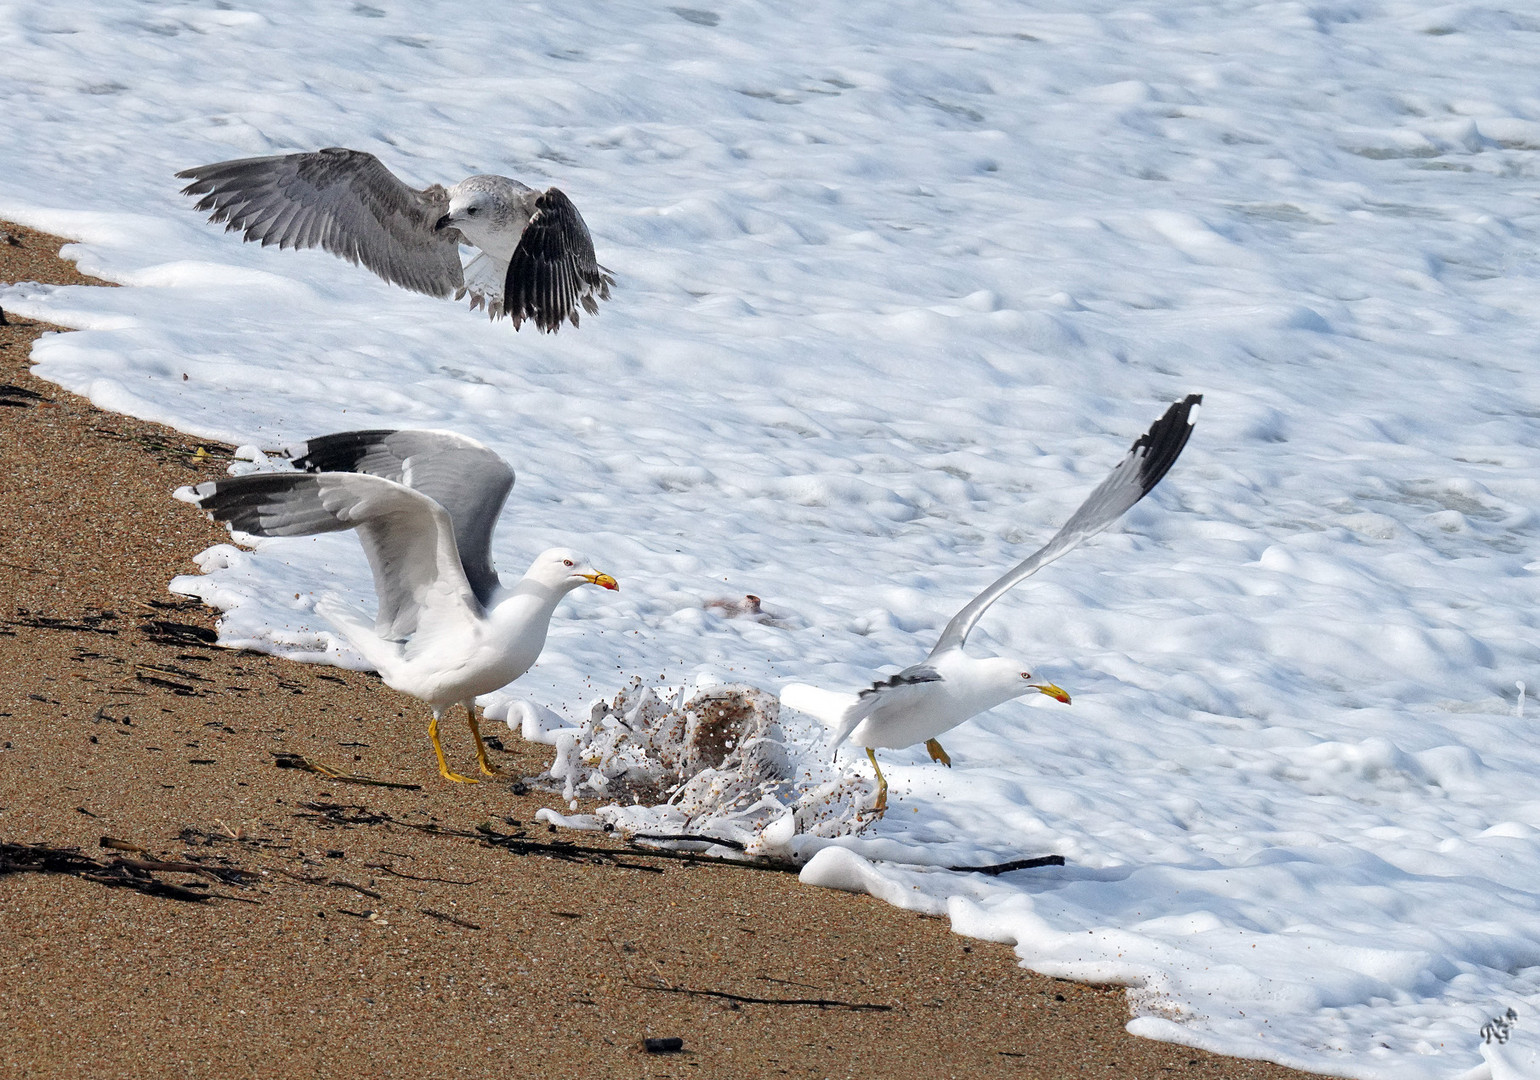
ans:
x=553 y=270
x=881 y=693
x=342 y=200
x=464 y=477
x=1149 y=459
x=406 y=535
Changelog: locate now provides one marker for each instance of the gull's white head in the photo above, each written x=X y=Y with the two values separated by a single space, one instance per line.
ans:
x=564 y=570
x=1000 y=678
x=485 y=210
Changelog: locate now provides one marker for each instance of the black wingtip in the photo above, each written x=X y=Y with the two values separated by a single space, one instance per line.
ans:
x=340 y=452
x=1163 y=443
x=909 y=676
x=553 y=271
x=238 y=501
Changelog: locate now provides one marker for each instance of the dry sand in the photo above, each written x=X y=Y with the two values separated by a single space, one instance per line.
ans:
x=378 y=931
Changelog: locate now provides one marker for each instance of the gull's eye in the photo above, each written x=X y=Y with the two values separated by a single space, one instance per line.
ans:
x=1026 y=674
x=472 y=211
x=566 y=562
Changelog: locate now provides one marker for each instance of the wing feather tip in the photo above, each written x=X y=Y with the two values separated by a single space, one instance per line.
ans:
x=194 y=494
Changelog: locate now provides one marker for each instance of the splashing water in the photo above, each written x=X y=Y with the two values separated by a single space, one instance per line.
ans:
x=717 y=765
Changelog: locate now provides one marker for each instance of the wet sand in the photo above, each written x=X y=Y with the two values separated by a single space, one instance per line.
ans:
x=367 y=931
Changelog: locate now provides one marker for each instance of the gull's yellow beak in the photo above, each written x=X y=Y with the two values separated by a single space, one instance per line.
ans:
x=607 y=582
x=1057 y=693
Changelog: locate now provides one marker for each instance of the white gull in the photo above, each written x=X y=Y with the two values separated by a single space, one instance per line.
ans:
x=922 y=701
x=424 y=504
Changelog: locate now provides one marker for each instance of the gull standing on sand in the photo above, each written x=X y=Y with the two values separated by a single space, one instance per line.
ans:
x=922 y=701
x=536 y=260
x=424 y=504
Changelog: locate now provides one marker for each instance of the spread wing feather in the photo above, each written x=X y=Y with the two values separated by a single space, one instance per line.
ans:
x=554 y=271
x=467 y=479
x=407 y=536
x=1149 y=459
x=344 y=201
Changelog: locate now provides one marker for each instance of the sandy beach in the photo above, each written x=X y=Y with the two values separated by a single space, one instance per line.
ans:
x=180 y=900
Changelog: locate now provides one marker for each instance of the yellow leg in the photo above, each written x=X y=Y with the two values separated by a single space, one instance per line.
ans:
x=481 y=751
x=938 y=754
x=443 y=766
x=880 y=807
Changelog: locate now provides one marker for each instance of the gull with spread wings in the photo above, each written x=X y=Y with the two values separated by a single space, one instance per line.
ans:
x=535 y=259
x=424 y=504
x=924 y=700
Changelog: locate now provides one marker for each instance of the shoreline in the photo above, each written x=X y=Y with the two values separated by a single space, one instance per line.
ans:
x=390 y=930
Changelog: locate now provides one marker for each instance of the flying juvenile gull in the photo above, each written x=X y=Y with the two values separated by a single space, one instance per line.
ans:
x=926 y=699
x=424 y=504
x=536 y=259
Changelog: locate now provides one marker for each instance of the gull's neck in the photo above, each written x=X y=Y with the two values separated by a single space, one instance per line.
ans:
x=527 y=597
x=515 y=626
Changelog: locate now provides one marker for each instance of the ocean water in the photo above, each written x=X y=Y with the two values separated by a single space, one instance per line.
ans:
x=897 y=285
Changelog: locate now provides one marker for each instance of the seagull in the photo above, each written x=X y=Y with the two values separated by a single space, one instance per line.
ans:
x=922 y=701
x=424 y=504
x=535 y=259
